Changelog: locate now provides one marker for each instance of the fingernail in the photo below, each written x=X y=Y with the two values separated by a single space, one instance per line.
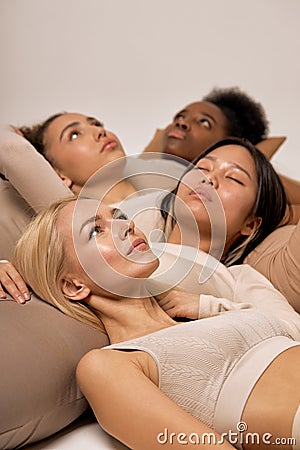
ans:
x=26 y=296
x=20 y=299
x=2 y=295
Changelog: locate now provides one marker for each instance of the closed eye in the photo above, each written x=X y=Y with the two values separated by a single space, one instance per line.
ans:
x=236 y=180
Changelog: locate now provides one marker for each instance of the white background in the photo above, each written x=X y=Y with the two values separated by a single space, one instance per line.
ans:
x=134 y=63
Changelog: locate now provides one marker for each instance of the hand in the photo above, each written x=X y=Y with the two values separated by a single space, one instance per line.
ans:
x=12 y=282
x=180 y=304
x=16 y=130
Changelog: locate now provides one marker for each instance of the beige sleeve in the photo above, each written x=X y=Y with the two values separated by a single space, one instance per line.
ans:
x=278 y=259
x=210 y=305
x=252 y=287
x=28 y=171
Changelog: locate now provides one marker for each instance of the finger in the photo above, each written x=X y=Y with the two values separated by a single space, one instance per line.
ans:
x=162 y=302
x=167 y=307
x=171 y=312
x=162 y=295
x=17 y=130
x=12 y=289
x=20 y=284
x=8 y=272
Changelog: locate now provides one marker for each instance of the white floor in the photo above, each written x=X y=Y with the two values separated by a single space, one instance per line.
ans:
x=84 y=434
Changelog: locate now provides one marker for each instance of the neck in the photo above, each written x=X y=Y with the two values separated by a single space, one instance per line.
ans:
x=202 y=242
x=119 y=192
x=128 y=318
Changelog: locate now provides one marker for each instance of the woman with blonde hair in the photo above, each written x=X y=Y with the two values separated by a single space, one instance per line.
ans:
x=99 y=258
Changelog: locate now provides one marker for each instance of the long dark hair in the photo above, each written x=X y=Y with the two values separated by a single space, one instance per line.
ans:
x=271 y=201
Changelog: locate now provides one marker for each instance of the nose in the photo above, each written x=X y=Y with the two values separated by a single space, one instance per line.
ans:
x=182 y=123
x=98 y=132
x=126 y=228
x=211 y=179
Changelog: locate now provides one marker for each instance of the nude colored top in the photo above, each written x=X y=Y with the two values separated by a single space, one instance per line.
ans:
x=197 y=360
x=278 y=259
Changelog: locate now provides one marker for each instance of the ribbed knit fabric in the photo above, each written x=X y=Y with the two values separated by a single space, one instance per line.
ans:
x=195 y=358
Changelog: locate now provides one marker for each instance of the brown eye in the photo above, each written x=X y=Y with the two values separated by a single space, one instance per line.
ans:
x=73 y=135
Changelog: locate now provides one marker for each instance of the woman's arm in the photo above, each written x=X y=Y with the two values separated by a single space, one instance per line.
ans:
x=278 y=259
x=130 y=407
x=292 y=189
x=28 y=171
x=224 y=288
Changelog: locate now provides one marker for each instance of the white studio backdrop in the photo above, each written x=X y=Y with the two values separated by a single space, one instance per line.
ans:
x=134 y=63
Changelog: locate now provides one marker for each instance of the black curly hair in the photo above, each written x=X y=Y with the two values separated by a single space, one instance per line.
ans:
x=246 y=117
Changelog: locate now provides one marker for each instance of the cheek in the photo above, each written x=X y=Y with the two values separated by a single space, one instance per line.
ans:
x=110 y=255
x=237 y=205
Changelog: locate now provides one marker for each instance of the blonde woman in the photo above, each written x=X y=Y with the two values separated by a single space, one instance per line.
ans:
x=177 y=377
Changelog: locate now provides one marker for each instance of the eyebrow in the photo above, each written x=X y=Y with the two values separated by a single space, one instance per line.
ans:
x=203 y=113
x=92 y=219
x=90 y=120
x=70 y=125
x=209 y=116
x=235 y=165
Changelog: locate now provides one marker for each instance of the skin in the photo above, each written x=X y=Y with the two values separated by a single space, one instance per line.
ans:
x=234 y=185
x=198 y=126
x=78 y=146
x=194 y=129
x=275 y=395
x=230 y=173
x=99 y=371
x=103 y=236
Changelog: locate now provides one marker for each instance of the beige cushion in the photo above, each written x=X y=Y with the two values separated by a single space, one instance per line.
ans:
x=39 y=351
x=268 y=146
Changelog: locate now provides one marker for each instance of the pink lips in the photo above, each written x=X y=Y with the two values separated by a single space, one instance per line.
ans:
x=201 y=193
x=139 y=245
x=108 y=144
x=177 y=134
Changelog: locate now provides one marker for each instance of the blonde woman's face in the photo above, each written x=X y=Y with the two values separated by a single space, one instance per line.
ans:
x=231 y=174
x=105 y=246
x=79 y=145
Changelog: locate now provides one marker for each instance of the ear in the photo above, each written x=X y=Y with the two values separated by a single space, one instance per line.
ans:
x=252 y=224
x=68 y=182
x=74 y=289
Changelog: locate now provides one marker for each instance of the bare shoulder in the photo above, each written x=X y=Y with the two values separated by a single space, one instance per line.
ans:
x=108 y=360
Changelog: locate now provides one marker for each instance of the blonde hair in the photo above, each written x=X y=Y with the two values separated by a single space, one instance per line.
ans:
x=40 y=258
